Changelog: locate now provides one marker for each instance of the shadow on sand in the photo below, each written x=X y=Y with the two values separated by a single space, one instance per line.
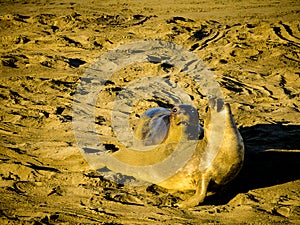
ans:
x=272 y=157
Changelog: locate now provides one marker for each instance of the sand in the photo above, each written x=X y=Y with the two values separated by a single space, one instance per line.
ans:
x=251 y=47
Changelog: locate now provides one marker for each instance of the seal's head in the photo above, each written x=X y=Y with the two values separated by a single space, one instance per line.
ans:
x=185 y=116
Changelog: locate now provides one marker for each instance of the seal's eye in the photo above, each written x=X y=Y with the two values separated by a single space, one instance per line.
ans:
x=174 y=110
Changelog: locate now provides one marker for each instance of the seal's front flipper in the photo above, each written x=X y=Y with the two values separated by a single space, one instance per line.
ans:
x=200 y=194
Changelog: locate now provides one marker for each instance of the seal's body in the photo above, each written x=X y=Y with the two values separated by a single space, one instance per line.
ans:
x=215 y=159
x=181 y=123
x=222 y=169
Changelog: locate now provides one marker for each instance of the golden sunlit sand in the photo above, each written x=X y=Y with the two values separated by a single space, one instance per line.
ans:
x=251 y=47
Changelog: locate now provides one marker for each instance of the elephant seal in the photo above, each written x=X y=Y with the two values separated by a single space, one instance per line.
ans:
x=224 y=167
x=169 y=128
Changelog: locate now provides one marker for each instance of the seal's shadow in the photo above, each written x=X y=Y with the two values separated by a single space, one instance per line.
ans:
x=272 y=157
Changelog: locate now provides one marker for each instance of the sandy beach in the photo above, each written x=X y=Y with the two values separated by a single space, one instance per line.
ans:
x=252 y=50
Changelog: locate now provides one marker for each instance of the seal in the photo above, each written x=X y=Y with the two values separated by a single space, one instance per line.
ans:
x=224 y=167
x=169 y=128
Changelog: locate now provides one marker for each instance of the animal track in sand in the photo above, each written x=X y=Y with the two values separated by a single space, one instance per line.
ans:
x=286 y=33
